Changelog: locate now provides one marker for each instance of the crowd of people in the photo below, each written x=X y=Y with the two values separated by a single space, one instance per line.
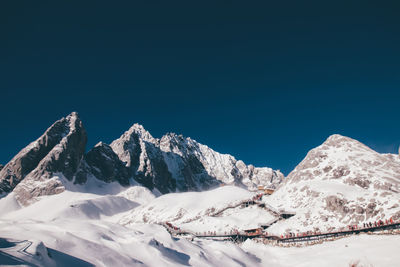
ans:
x=378 y=223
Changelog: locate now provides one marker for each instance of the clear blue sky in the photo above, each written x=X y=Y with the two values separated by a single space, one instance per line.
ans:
x=263 y=81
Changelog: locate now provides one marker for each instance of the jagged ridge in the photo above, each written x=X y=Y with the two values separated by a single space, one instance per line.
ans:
x=175 y=163
x=170 y=164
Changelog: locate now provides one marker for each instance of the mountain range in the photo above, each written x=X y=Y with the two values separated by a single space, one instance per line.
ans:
x=171 y=163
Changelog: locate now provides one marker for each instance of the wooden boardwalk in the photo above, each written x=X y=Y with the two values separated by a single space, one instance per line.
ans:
x=241 y=236
x=319 y=236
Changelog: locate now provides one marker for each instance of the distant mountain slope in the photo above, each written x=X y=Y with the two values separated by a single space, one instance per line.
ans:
x=340 y=182
x=170 y=164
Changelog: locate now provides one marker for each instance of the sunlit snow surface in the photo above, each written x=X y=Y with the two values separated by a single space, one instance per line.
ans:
x=96 y=228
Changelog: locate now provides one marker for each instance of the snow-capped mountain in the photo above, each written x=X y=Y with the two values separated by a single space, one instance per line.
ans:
x=169 y=164
x=340 y=182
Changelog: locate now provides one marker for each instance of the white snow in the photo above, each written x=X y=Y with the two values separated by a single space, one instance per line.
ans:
x=364 y=250
x=184 y=207
x=78 y=229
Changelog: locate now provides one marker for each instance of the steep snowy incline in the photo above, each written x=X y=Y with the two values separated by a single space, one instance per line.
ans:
x=339 y=183
x=174 y=163
x=182 y=207
x=218 y=210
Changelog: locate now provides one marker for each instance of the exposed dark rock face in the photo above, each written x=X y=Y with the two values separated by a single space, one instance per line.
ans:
x=145 y=161
x=1 y=166
x=102 y=163
x=154 y=172
x=58 y=150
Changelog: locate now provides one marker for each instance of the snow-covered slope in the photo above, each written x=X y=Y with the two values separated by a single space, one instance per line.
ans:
x=182 y=207
x=79 y=229
x=215 y=210
x=357 y=251
x=339 y=183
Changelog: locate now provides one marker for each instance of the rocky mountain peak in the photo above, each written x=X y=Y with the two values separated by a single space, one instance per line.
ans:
x=139 y=130
x=58 y=150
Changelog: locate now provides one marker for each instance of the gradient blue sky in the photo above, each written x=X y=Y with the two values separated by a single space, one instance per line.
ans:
x=263 y=81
